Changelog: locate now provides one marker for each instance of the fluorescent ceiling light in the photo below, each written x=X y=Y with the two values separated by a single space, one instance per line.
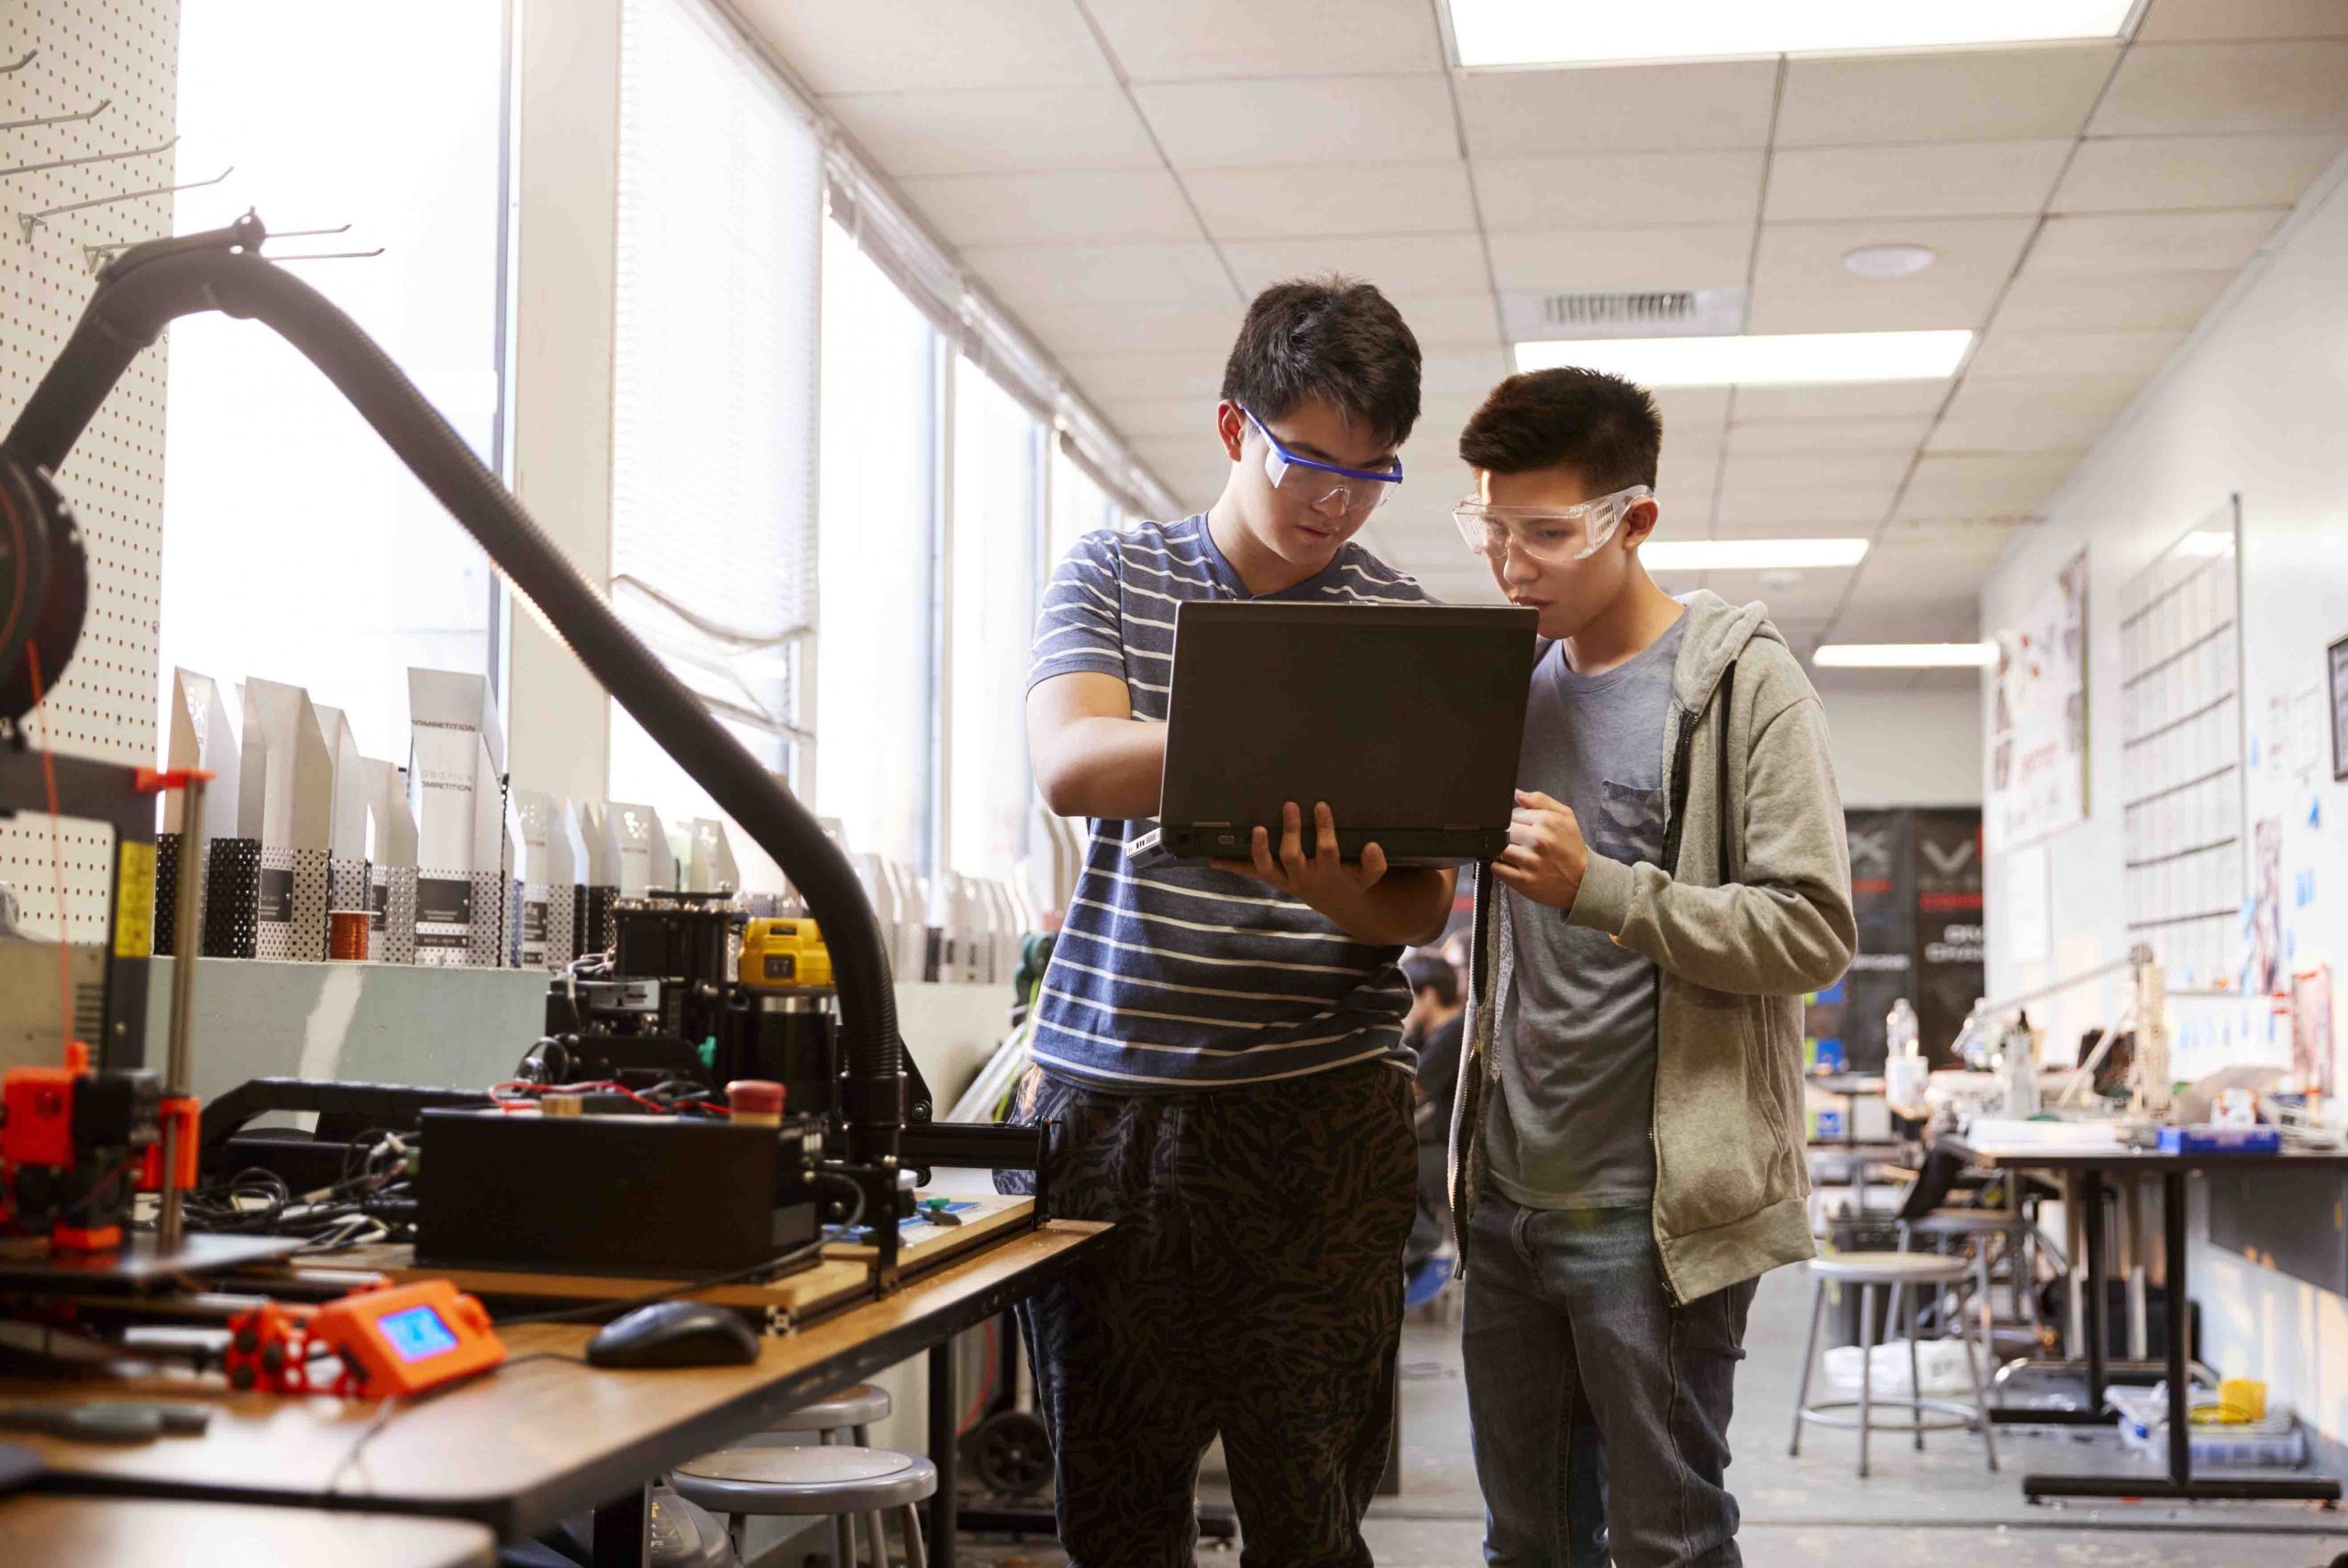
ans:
x=1749 y=555
x=1544 y=32
x=1789 y=359
x=1906 y=655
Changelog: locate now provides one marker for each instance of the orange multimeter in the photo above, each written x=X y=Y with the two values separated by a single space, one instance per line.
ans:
x=409 y=1338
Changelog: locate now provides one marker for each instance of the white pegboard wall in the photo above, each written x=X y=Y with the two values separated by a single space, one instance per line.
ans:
x=106 y=705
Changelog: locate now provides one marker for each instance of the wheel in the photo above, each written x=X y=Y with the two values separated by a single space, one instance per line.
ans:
x=1011 y=1454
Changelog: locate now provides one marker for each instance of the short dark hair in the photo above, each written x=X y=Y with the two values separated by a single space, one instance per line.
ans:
x=1604 y=428
x=1426 y=972
x=1332 y=338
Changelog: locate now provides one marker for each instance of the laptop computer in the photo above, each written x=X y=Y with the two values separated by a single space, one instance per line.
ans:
x=1405 y=718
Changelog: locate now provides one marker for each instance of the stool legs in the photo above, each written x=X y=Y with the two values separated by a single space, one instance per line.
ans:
x=1866 y=1370
x=844 y=1541
x=1980 y=1400
x=872 y=1520
x=1912 y=1325
x=1809 y=1355
x=917 y=1555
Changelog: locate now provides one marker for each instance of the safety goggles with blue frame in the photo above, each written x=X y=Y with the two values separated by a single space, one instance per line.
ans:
x=1322 y=484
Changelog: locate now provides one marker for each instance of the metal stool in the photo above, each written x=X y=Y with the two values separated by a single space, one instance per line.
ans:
x=851 y=1410
x=836 y=1482
x=1980 y=1227
x=1902 y=1273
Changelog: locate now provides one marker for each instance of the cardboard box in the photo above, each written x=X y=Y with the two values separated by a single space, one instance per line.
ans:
x=285 y=801
x=391 y=872
x=551 y=854
x=641 y=856
x=200 y=735
x=466 y=852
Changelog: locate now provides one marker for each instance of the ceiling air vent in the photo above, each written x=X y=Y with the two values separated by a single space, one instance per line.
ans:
x=1622 y=312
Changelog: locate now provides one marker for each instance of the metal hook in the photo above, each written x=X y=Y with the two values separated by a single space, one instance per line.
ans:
x=94 y=157
x=104 y=103
x=12 y=69
x=333 y=255
x=31 y=221
x=308 y=233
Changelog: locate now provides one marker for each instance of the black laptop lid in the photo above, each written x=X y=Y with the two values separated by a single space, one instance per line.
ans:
x=1400 y=716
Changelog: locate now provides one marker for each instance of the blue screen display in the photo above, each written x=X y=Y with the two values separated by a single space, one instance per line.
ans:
x=417 y=1335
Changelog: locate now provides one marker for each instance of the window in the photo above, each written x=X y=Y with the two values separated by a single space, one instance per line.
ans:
x=713 y=394
x=997 y=563
x=1079 y=506
x=296 y=547
x=880 y=441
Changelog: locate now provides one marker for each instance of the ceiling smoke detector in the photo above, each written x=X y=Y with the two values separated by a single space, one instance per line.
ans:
x=1889 y=261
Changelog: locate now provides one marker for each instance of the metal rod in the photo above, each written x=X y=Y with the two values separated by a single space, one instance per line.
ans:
x=333 y=256
x=2180 y=1373
x=31 y=221
x=104 y=103
x=184 y=942
x=27 y=59
x=94 y=157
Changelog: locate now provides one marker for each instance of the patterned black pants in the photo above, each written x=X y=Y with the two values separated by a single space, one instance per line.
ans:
x=1252 y=1287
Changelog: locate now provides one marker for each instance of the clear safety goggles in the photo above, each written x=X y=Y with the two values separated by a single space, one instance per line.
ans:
x=1325 y=486
x=1554 y=536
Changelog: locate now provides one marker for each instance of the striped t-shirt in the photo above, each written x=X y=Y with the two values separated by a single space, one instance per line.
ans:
x=1183 y=978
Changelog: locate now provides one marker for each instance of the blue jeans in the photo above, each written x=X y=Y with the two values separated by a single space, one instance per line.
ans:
x=1568 y=1328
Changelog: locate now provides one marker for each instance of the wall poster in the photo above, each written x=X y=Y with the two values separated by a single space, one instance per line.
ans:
x=2038 y=772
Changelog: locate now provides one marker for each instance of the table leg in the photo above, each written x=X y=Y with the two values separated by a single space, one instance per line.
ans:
x=942 y=1420
x=2139 y=1339
x=622 y=1530
x=2074 y=1285
x=2179 y=1481
x=2098 y=1323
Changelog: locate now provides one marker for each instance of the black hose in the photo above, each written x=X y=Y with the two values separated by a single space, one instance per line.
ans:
x=148 y=287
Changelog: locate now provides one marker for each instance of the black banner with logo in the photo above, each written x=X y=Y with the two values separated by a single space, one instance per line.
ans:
x=1949 y=927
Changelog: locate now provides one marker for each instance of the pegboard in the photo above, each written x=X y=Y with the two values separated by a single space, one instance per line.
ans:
x=124 y=53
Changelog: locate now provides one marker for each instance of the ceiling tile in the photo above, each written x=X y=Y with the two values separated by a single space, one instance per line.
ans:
x=1801 y=513
x=2183 y=87
x=1619 y=109
x=1950 y=179
x=1694 y=418
x=1024 y=275
x=2170 y=21
x=1326 y=119
x=2020 y=429
x=1450 y=321
x=1752 y=472
x=2018 y=95
x=1885 y=399
x=1004 y=131
x=1462 y=375
x=1123 y=204
x=2137 y=174
x=1982 y=397
x=1701 y=257
x=1681 y=475
x=1799 y=284
x=1334 y=199
x=1146 y=418
x=2016 y=353
x=1118 y=328
x=1953 y=484
x=883 y=46
x=1398 y=263
x=1156 y=43
x=1154 y=376
x=1192 y=469
x=1633 y=189
x=2056 y=300
x=1795 y=437
x=2108 y=243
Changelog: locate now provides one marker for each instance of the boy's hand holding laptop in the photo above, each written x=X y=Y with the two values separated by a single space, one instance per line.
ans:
x=1358 y=895
x=1545 y=855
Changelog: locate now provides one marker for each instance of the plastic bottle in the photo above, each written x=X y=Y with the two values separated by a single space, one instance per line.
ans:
x=1904 y=1069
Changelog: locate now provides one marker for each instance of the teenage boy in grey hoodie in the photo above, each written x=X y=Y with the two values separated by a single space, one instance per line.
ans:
x=1627 y=1154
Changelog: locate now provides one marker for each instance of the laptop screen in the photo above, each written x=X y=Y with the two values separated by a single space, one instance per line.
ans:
x=1399 y=716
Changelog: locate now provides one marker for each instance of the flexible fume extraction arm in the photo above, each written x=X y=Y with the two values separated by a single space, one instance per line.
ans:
x=43 y=589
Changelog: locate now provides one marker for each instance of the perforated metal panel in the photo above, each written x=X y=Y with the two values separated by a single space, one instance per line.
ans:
x=124 y=53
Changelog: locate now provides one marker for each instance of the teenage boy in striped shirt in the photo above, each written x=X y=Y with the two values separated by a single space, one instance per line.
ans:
x=1223 y=1048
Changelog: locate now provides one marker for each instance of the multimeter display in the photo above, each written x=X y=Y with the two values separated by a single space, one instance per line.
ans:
x=417 y=1335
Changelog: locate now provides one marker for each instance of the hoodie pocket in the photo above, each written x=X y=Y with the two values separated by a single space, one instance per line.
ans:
x=1719 y=1130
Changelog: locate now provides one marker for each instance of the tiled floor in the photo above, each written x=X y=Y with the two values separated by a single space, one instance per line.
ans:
x=1918 y=1510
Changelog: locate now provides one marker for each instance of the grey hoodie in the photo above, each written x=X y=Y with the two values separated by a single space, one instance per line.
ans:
x=1754 y=911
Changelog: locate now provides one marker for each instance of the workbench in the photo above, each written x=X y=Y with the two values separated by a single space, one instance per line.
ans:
x=545 y=1436
x=49 y=1531
x=2090 y=1153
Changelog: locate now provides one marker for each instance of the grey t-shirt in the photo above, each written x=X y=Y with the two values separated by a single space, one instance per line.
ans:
x=1570 y=1128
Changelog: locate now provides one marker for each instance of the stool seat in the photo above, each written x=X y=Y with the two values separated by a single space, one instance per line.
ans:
x=1966 y=1222
x=1891 y=1268
x=857 y=1407
x=809 y=1480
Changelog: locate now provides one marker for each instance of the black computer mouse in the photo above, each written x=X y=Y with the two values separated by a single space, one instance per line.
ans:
x=674 y=1333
